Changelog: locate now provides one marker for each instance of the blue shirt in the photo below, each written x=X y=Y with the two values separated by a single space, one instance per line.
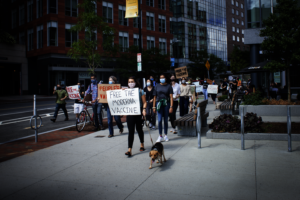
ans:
x=94 y=92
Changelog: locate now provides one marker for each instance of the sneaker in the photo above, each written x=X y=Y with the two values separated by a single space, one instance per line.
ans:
x=175 y=131
x=172 y=130
x=159 y=139
x=150 y=125
x=153 y=128
x=166 y=138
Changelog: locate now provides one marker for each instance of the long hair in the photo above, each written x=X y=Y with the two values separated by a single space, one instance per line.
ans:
x=137 y=84
x=113 y=78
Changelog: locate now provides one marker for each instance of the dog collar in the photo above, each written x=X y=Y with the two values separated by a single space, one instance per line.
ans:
x=155 y=149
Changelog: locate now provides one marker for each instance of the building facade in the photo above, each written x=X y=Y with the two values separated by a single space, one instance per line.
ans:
x=43 y=27
x=198 y=25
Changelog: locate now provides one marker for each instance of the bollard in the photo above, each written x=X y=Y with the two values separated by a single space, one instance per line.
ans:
x=242 y=130
x=198 y=127
x=289 y=129
x=35 y=116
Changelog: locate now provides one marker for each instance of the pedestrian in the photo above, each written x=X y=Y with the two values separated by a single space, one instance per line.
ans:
x=97 y=107
x=135 y=121
x=112 y=80
x=213 y=96
x=234 y=85
x=239 y=82
x=153 y=81
x=205 y=86
x=151 y=116
x=224 y=87
x=176 y=95
x=78 y=105
x=185 y=93
x=163 y=104
x=61 y=96
x=191 y=98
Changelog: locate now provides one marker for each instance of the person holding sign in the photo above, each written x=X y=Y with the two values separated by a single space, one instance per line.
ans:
x=185 y=94
x=135 y=121
x=163 y=103
x=205 y=85
x=213 y=96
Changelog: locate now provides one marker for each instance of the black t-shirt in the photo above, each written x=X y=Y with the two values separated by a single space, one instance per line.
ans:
x=205 y=85
x=149 y=94
x=163 y=91
x=81 y=95
x=234 y=87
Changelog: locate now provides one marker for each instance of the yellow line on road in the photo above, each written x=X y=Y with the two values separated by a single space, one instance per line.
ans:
x=30 y=127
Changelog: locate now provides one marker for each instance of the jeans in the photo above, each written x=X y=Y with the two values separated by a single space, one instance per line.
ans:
x=99 y=111
x=97 y=114
x=60 y=106
x=134 y=122
x=173 y=115
x=163 y=113
x=205 y=94
x=184 y=106
x=110 y=122
x=151 y=116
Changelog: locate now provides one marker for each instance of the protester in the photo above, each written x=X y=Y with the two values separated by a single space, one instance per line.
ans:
x=151 y=116
x=205 y=86
x=234 y=85
x=191 y=100
x=185 y=93
x=239 y=82
x=163 y=103
x=213 y=96
x=97 y=107
x=153 y=81
x=249 y=82
x=176 y=95
x=135 y=121
x=78 y=105
x=61 y=96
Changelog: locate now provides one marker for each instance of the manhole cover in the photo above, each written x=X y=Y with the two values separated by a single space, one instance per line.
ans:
x=99 y=136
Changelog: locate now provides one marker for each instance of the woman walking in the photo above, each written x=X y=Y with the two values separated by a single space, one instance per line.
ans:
x=205 y=86
x=151 y=116
x=176 y=95
x=135 y=121
x=185 y=94
x=163 y=103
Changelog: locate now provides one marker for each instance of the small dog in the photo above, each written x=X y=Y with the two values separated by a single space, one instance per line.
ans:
x=157 y=151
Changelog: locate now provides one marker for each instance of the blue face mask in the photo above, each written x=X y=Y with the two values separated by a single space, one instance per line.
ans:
x=233 y=79
x=110 y=82
x=204 y=81
x=151 y=79
x=213 y=83
x=148 y=84
x=94 y=81
x=162 y=80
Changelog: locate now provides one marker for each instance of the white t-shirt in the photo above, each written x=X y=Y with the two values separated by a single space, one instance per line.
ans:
x=176 y=91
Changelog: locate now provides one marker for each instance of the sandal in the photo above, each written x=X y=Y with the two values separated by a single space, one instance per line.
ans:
x=128 y=154
x=121 y=131
x=142 y=149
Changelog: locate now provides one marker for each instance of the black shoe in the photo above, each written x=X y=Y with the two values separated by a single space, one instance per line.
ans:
x=53 y=119
x=66 y=119
x=96 y=129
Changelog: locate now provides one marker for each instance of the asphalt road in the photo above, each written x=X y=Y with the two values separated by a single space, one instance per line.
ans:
x=15 y=118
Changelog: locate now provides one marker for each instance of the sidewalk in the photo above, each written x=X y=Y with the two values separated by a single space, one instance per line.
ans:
x=24 y=98
x=96 y=168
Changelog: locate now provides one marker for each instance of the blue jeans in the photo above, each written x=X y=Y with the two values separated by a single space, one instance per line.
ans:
x=205 y=94
x=184 y=106
x=60 y=106
x=110 y=122
x=99 y=109
x=163 y=113
x=97 y=114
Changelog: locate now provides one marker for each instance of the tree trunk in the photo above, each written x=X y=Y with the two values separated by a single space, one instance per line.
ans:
x=289 y=84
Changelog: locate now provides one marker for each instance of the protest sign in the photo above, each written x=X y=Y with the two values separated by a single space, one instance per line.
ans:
x=73 y=92
x=196 y=83
x=212 y=89
x=124 y=102
x=199 y=88
x=181 y=72
x=102 y=88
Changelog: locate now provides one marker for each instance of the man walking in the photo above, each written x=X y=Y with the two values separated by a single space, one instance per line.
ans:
x=61 y=96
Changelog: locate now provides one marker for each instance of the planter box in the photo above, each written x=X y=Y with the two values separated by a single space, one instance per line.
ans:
x=252 y=136
x=271 y=110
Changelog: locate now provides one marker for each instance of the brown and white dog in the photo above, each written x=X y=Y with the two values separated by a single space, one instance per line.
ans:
x=157 y=151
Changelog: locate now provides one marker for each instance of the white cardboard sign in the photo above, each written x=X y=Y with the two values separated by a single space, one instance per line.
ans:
x=212 y=89
x=199 y=88
x=124 y=102
x=73 y=92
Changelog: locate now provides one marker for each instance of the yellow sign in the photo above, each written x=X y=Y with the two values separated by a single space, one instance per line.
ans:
x=132 y=9
x=207 y=65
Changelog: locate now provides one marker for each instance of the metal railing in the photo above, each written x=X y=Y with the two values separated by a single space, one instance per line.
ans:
x=35 y=117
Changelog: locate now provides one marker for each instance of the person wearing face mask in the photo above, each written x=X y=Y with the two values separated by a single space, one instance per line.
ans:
x=153 y=81
x=78 y=105
x=135 y=121
x=176 y=95
x=234 y=86
x=205 y=86
x=185 y=94
x=61 y=96
x=151 y=116
x=213 y=96
x=163 y=105
x=191 y=100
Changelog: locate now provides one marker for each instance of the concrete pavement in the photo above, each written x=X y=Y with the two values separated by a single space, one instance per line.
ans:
x=96 y=168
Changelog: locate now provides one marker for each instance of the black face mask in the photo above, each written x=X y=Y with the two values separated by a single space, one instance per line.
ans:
x=58 y=88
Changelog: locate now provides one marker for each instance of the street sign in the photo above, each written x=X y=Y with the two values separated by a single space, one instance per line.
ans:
x=139 y=67
x=207 y=65
x=139 y=57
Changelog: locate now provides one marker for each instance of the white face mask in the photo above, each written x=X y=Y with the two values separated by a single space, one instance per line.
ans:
x=131 y=85
x=183 y=81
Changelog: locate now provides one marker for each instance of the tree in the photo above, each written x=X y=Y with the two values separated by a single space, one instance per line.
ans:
x=91 y=23
x=282 y=38
x=239 y=60
x=6 y=38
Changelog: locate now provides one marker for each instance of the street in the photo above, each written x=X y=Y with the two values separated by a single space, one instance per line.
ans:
x=14 y=119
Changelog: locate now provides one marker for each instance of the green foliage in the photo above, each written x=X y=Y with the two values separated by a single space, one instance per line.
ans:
x=252 y=123
x=222 y=98
x=239 y=60
x=226 y=123
x=6 y=38
x=90 y=22
x=253 y=99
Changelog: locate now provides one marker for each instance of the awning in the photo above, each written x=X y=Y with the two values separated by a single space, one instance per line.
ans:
x=259 y=67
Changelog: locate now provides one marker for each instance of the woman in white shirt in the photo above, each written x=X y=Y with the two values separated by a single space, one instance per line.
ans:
x=185 y=94
x=176 y=95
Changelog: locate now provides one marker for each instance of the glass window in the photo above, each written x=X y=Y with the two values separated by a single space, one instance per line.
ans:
x=242 y=23
x=107 y=9
x=150 y=42
x=237 y=12
x=30 y=40
x=253 y=14
x=136 y=40
x=39 y=8
x=71 y=8
x=122 y=20
x=150 y=3
x=136 y=21
x=232 y=11
x=242 y=14
x=163 y=45
x=39 y=30
x=242 y=5
x=52 y=6
x=237 y=21
x=162 y=4
x=190 y=9
x=21 y=15
x=232 y=20
x=232 y=2
x=123 y=41
x=13 y=18
x=237 y=38
x=242 y=31
x=243 y=40
x=233 y=38
x=29 y=10
x=162 y=23
x=52 y=34
x=150 y=21
x=237 y=4
x=237 y=30
x=21 y=38
x=70 y=36
x=233 y=28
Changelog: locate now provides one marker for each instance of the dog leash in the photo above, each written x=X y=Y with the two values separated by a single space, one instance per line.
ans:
x=149 y=130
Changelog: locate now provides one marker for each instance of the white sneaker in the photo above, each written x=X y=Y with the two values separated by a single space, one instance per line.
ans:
x=159 y=139
x=166 y=138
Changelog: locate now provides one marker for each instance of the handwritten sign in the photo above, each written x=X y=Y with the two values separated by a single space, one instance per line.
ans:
x=102 y=88
x=181 y=72
x=212 y=89
x=73 y=92
x=124 y=102
x=199 y=88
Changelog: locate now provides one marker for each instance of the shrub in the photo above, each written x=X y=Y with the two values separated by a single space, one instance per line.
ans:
x=252 y=123
x=226 y=123
x=253 y=99
x=222 y=98
x=278 y=102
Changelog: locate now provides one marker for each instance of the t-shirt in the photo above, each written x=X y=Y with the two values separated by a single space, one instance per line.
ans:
x=163 y=92
x=205 y=85
x=234 y=87
x=60 y=94
x=141 y=93
x=149 y=94
x=81 y=95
